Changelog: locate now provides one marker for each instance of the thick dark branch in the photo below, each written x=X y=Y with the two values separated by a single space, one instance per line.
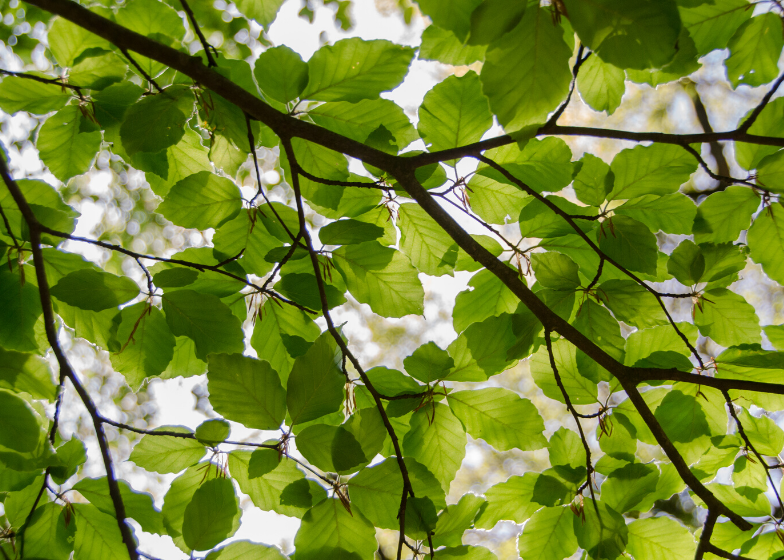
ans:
x=65 y=367
x=283 y=124
x=642 y=375
x=705 y=537
x=407 y=487
x=205 y=45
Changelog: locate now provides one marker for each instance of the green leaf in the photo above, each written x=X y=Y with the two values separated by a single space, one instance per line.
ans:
x=548 y=534
x=212 y=432
x=353 y=69
x=247 y=391
x=437 y=440
x=593 y=181
x=17 y=94
x=526 y=73
x=94 y=290
x=359 y=120
x=723 y=215
x=147 y=17
x=330 y=448
x=770 y=173
x=147 y=344
x=459 y=102
x=180 y=494
x=428 y=363
x=454 y=16
x=456 y=519
x=490 y=347
x=98 y=535
x=727 y=318
x=212 y=515
x=202 y=200
x=629 y=243
x=138 y=505
x=597 y=324
x=754 y=51
x=765 y=546
x=381 y=277
x=601 y=85
x=167 y=454
x=631 y=303
x=315 y=386
x=22 y=431
x=764 y=434
x=511 y=500
x=98 y=72
x=430 y=249
x=643 y=35
x=263 y=11
x=442 y=45
x=658 y=169
x=26 y=373
x=281 y=73
x=626 y=487
x=157 y=121
x=493 y=200
x=602 y=533
x=538 y=220
x=206 y=320
x=283 y=334
x=577 y=373
x=465 y=552
x=489 y=298
x=376 y=490
x=712 y=24
x=67 y=41
x=348 y=232
x=672 y=213
x=490 y=20
x=554 y=270
x=500 y=417
x=246 y=550
x=329 y=531
x=47 y=535
x=64 y=148
x=273 y=490
x=766 y=241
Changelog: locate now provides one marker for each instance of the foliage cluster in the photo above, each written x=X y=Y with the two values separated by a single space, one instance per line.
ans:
x=366 y=449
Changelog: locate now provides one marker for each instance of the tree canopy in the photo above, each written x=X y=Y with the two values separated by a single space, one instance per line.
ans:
x=615 y=281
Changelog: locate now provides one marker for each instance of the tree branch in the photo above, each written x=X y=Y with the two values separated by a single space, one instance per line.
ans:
x=407 y=487
x=205 y=45
x=602 y=255
x=576 y=416
x=65 y=367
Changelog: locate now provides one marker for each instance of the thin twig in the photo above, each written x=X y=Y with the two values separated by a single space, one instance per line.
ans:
x=753 y=449
x=575 y=70
x=141 y=70
x=53 y=81
x=205 y=45
x=576 y=416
